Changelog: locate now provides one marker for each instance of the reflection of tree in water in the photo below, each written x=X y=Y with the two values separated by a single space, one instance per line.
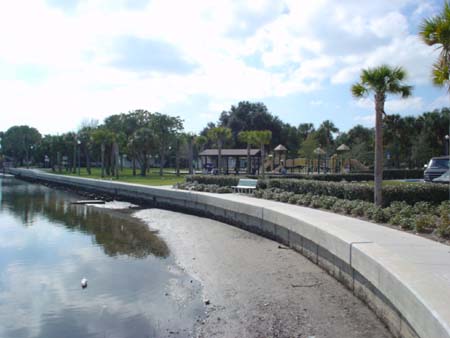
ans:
x=117 y=232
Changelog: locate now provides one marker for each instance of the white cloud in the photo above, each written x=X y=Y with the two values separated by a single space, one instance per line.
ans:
x=302 y=47
x=394 y=106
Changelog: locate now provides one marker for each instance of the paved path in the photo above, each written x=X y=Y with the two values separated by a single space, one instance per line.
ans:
x=426 y=255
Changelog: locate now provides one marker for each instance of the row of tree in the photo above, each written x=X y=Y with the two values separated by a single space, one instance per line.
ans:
x=409 y=141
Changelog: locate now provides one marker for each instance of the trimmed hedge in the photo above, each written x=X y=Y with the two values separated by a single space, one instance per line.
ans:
x=195 y=186
x=388 y=174
x=327 y=177
x=409 y=193
x=220 y=180
x=400 y=174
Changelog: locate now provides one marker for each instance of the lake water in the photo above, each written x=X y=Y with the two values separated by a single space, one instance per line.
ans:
x=47 y=246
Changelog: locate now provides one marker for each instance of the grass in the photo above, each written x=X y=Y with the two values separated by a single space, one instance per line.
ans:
x=152 y=178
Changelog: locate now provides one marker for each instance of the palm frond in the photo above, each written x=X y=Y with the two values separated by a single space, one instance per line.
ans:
x=358 y=90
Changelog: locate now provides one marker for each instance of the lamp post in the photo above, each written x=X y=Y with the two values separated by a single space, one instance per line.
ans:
x=28 y=156
x=79 y=160
x=319 y=151
x=446 y=144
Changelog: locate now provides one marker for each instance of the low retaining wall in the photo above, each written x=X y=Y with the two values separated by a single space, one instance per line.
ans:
x=396 y=291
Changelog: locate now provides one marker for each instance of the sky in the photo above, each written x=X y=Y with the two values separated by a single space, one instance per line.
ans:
x=65 y=62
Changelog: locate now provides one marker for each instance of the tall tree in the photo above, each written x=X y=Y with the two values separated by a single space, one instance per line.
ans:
x=190 y=140
x=325 y=133
x=142 y=144
x=380 y=81
x=251 y=116
x=435 y=31
x=262 y=137
x=219 y=135
x=248 y=137
x=164 y=127
x=20 y=142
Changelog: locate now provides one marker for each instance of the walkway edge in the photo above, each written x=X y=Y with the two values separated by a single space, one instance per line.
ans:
x=411 y=301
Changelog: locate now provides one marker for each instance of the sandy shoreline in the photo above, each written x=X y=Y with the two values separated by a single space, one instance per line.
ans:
x=257 y=289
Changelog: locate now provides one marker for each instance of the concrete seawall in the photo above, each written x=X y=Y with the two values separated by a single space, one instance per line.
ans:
x=405 y=279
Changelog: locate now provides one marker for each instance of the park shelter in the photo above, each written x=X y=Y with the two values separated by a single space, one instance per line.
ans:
x=231 y=159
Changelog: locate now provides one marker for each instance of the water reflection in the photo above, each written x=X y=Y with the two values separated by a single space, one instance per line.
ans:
x=117 y=233
x=47 y=246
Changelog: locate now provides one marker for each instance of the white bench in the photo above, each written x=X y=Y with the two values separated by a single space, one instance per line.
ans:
x=245 y=186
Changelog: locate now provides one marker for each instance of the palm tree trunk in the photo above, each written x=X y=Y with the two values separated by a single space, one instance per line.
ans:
x=263 y=160
x=134 y=165
x=219 y=164
x=74 y=161
x=103 y=159
x=88 y=160
x=248 y=159
x=191 y=156
x=379 y=108
x=161 y=158
x=177 y=162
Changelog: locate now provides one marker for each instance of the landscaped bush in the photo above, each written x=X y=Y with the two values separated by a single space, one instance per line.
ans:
x=409 y=193
x=388 y=174
x=400 y=174
x=195 y=186
x=358 y=177
x=220 y=180
x=421 y=217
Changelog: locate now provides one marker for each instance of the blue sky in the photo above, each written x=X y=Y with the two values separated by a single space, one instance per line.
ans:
x=66 y=61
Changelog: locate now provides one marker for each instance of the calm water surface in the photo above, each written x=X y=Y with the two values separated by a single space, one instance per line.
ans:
x=48 y=245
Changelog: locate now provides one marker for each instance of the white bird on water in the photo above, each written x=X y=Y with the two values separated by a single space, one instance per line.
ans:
x=84 y=283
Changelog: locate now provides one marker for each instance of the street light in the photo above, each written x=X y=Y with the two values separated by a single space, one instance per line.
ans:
x=79 y=162
x=319 y=151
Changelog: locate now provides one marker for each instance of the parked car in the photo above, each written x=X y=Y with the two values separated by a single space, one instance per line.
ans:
x=436 y=167
x=444 y=178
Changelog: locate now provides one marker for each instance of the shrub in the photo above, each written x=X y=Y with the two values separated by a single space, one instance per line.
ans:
x=375 y=213
x=220 y=180
x=388 y=174
x=443 y=226
x=410 y=193
x=407 y=223
x=425 y=223
x=422 y=217
x=195 y=186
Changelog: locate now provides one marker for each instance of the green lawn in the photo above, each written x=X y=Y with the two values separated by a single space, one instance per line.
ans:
x=152 y=178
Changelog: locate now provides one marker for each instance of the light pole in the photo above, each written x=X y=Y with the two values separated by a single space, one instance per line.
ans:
x=319 y=151
x=446 y=144
x=79 y=161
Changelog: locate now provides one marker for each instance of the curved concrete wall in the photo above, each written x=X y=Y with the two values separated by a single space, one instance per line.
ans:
x=411 y=301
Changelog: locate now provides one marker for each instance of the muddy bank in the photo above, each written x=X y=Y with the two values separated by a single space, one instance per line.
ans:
x=257 y=288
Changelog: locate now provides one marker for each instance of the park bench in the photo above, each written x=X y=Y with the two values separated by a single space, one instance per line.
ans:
x=245 y=185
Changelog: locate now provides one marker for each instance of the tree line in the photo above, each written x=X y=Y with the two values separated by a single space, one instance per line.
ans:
x=141 y=136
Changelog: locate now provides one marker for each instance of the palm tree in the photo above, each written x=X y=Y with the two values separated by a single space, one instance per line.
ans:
x=200 y=142
x=380 y=81
x=219 y=135
x=262 y=137
x=190 y=138
x=436 y=31
x=249 y=138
